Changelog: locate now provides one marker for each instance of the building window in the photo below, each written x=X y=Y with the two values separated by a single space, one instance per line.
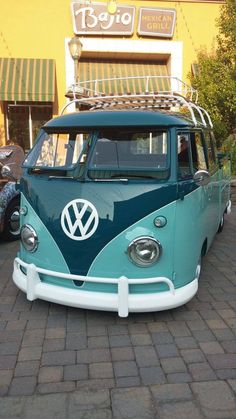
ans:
x=23 y=122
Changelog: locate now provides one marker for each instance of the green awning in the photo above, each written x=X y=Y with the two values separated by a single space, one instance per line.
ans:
x=134 y=75
x=23 y=79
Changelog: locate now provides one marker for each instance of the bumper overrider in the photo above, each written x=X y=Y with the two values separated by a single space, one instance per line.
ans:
x=123 y=302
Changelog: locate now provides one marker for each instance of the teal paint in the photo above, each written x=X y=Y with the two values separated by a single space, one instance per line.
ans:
x=116 y=119
x=196 y=221
x=48 y=254
x=48 y=198
x=113 y=260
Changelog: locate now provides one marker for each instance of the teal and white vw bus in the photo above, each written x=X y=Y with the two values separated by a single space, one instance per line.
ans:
x=119 y=203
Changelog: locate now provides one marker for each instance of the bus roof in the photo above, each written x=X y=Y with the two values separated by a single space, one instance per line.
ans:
x=110 y=118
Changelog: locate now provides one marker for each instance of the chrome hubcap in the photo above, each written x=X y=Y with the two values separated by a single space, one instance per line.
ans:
x=198 y=269
x=14 y=222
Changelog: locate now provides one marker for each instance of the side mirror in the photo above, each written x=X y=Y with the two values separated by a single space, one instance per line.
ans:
x=7 y=173
x=202 y=177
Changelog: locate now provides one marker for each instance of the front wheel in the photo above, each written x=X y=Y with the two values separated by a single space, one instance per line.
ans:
x=198 y=268
x=221 y=225
x=11 y=229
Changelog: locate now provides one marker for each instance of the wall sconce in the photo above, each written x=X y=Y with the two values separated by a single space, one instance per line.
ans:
x=75 y=47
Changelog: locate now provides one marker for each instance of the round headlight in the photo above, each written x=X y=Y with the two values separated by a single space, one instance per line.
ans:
x=144 y=251
x=29 y=238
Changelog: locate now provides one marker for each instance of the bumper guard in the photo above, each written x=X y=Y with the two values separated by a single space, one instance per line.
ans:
x=123 y=302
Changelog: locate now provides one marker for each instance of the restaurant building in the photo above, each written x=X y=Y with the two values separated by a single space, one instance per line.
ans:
x=124 y=39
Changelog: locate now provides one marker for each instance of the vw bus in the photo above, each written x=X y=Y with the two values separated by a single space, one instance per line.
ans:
x=120 y=202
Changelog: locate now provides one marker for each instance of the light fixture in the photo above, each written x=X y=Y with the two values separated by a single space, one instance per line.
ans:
x=160 y=221
x=144 y=251
x=29 y=238
x=111 y=7
x=75 y=47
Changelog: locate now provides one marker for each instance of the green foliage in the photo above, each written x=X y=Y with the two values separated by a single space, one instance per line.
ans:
x=227 y=31
x=216 y=78
x=229 y=146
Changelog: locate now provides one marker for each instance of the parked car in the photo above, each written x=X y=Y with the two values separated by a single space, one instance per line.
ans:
x=11 y=158
x=120 y=203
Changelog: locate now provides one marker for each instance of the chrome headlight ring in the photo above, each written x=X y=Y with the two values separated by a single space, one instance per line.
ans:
x=29 y=238
x=144 y=251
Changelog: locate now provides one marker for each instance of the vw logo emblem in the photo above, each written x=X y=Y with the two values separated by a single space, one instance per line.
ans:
x=79 y=219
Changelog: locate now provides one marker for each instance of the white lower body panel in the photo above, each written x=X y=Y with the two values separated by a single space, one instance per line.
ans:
x=123 y=302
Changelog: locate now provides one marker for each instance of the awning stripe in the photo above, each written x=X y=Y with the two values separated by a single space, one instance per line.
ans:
x=106 y=69
x=40 y=76
x=32 y=76
x=23 y=79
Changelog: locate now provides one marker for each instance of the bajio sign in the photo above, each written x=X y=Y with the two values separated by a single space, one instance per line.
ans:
x=94 y=19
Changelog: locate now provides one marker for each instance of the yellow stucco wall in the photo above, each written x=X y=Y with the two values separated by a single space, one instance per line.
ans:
x=30 y=29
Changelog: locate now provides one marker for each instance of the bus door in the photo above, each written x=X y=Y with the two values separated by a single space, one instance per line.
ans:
x=203 y=158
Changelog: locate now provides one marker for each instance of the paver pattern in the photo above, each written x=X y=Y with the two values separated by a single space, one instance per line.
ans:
x=62 y=362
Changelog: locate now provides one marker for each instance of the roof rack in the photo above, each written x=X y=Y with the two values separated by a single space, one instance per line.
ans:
x=132 y=85
x=169 y=101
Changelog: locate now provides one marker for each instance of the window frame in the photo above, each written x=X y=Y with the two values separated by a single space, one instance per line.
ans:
x=30 y=160
x=161 y=173
x=189 y=132
x=214 y=166
x=30 y=106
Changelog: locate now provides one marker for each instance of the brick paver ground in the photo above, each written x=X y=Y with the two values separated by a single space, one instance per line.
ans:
x=62 y=362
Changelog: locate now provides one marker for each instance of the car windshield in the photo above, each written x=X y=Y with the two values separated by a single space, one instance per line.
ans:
x=59 y=151
x=129 y=153
x=106 y=154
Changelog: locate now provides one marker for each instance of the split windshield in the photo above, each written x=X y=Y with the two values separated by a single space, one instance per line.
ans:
x=104 y=154
x=57 y=150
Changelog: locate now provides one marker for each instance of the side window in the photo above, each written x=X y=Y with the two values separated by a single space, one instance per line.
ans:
x=149 y=143
x=213 y=143
x=184 y=164
x=211 y=152
x=198 y=154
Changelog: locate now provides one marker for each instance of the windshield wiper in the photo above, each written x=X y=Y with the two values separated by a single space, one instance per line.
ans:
x=60 y=177
x=143 y=176
x=51 y=173
x=117 y=179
